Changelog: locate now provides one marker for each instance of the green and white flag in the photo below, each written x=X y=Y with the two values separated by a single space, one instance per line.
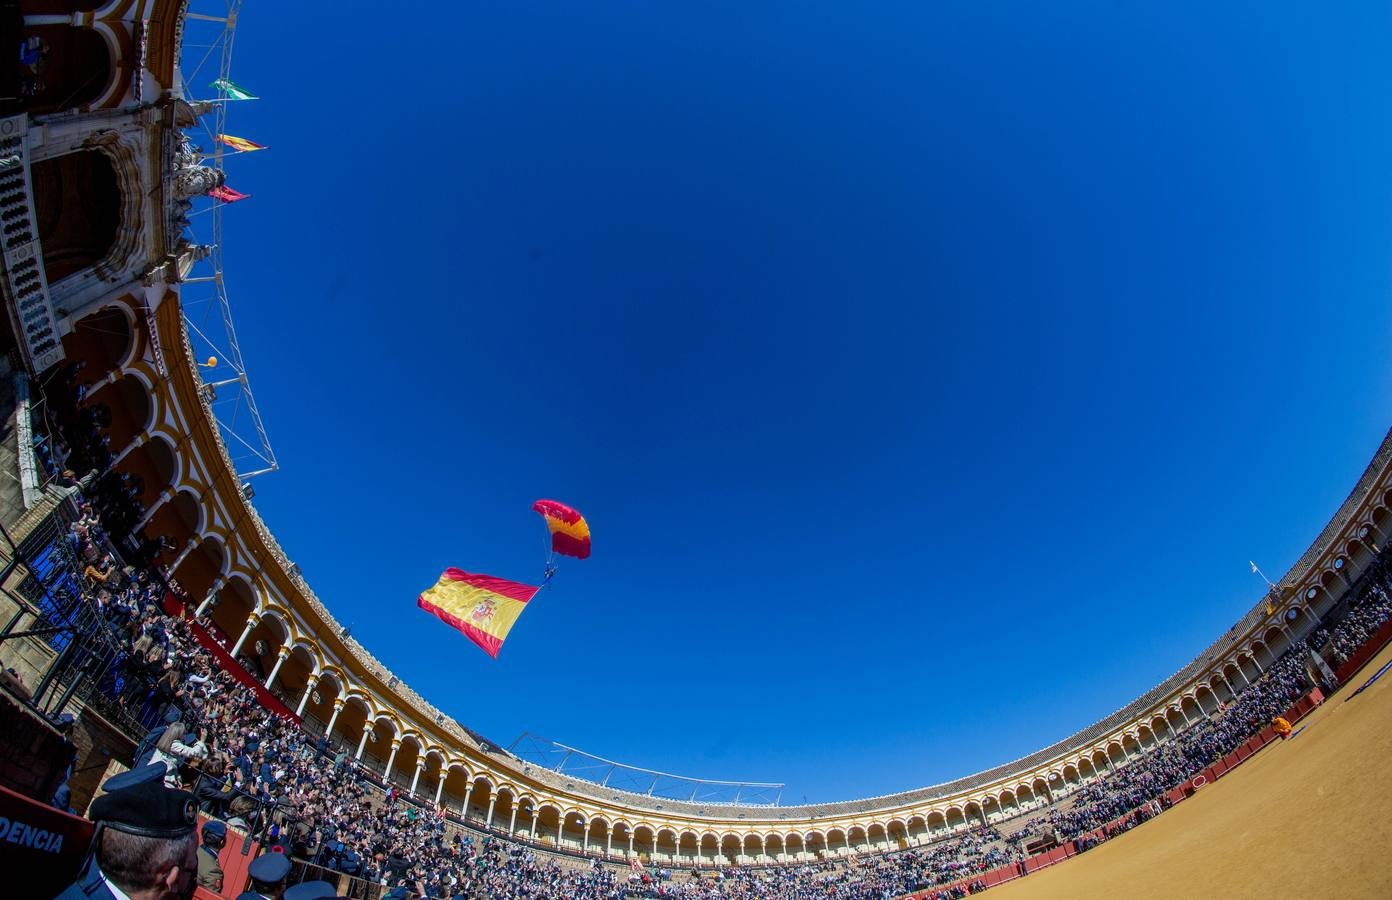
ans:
x=232 y=90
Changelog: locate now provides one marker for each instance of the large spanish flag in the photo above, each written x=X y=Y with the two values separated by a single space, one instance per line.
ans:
x=481 y=607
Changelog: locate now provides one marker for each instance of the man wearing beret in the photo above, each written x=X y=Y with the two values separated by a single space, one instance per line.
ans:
x=145 y=846
x=209 y=868
x=268 y=873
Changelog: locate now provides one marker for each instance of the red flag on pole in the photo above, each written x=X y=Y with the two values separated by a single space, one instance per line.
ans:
x=227 y=194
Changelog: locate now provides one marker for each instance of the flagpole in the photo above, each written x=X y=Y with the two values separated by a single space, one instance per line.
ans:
x=1257 y=570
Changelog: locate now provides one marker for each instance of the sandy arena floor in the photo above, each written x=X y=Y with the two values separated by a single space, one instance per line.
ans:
x=1310 y=817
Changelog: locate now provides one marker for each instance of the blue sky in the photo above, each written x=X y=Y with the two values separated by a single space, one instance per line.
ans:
x=928 y=373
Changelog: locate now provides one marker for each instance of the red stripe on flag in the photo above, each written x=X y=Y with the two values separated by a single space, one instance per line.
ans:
x=510 y=589
x=487 y=642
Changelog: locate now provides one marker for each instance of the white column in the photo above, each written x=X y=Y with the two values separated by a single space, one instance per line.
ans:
x=338 y=708
x=585 y=837
x=609 y=841
x=560 y=829
x=136 y=443
x=440 y=787
x=212 y=595
x=512 y=821
x=163 y=498
x=531 y=825
x=188 y=548
x=391 y=758
x=630 y=843
x=252 y=621
x=492 y=799
x=281 y=657
x=464 y=809
x=367 y=729
x=420 y=767
x=308 y=689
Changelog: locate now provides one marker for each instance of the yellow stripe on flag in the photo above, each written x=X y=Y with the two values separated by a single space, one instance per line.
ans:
x=481 y=607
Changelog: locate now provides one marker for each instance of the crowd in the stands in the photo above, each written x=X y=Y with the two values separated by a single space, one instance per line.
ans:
x=261 y=771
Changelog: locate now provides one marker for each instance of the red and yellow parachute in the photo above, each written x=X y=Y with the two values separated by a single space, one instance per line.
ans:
x=570 y=533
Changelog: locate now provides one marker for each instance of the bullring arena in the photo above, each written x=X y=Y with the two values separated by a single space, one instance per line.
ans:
x=132 y=550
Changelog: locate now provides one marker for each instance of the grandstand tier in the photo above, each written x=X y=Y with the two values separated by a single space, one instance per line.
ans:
x=133 y=551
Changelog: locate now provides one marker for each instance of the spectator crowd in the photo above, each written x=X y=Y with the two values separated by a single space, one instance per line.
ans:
x=262 y=772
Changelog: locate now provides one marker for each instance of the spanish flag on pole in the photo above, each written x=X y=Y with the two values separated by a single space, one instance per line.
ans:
x=240 y=144
x=481 y=607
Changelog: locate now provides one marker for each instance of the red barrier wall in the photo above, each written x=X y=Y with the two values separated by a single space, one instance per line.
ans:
x=227 y=663
x=234 y=864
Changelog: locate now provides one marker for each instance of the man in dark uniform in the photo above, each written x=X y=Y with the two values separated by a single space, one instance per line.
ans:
x=209 y=868
x=311 y=890
x=268 y=873
x=145 y=846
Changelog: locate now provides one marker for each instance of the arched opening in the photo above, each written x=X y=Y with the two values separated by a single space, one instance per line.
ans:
x=231 y=609
x=176 y=523
x=77 y=202
x=477 y=808
x=456 y=783
x=103 y=340
x=916 y=830
x=1071 y=776
x=753 y=849
x=155 y=464
x=836 y=842
x=293 y=677
x=61 y=67
x=201 y=568
x=730 y=848
x=937 y=824
x=596 y=840
x=348 y=727
x=404 y=766
x=793 y=847
x=956 y=819
x=547 y=824
x=666 y=845
x=262 y=647
x=689 y=847
x=379 y=741
x=320 y=707
x=131 y=411
x=1276 y=642
x=710 y=849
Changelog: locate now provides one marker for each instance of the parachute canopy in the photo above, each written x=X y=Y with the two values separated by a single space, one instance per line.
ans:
x=570 y=533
